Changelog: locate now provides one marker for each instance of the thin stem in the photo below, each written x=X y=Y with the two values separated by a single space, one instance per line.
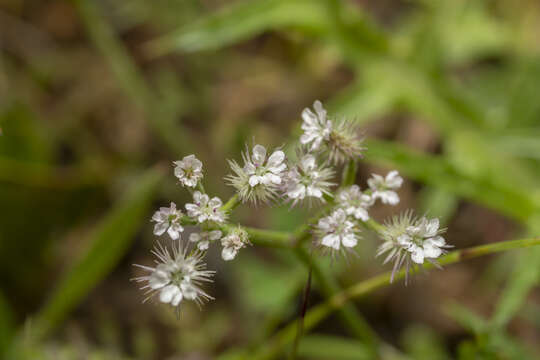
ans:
x=303 y=310
x=231 y=204
x=318 y=313
x=349 y=173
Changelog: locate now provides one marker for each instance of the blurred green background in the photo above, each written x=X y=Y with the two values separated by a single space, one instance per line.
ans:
x=97 y=98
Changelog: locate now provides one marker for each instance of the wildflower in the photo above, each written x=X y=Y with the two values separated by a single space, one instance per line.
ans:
x=408 y=238
x=204 y=208
x=341 y=139
x=260 y=178
x=307 y=179
x=168 y=219
x=316 y=126
x=177 y=276
x=383 y=188
x=204 y=238
x=233 y=242
x=354 y=202
x=337 y=232
x=188 y=170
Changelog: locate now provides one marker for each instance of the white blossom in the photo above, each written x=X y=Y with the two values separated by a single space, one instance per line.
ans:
x=235 y=240
x=260 y=177
x=337 y=232
x=188 y=170
x=168 y=219
x=355 y=202
x=204 y=238
x=308 y=179
x=317 y=128
x=339 y=140
x=383 y=188
x=177 y=276
x=205 y=209
x=410 y=239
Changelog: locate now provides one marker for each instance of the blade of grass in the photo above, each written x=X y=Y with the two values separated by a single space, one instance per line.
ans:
x=107 y=246
x=240 y=21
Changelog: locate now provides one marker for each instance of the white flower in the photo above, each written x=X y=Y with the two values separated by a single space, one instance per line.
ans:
x=424 y=240
x=383 y=188
x=339 y=140
x=261 y=177
x=354 y=202
x=317 y=128
x=204 y=208
x=233 y=242
x=204 y=238
x=188 y=170
x=177 y=276
x=407 y=238
x=337 y=232
x=307 y=179
x=168 y=219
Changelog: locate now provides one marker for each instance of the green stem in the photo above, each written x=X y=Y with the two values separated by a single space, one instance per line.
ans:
x=231 y=204
x=349 y=173
x=318 y=313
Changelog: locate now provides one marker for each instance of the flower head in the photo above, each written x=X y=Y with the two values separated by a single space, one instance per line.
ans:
x=383 y=188
x=205 y=209
x=355 y=202
x=188 y=170
x=341 y=140
x=235 y=240
x=261 y=177
x=411 y=239
x=204 y=238
x=308 y=180
x=336 y=232
x=177 y=276
x=168 y=219
x=316 y=126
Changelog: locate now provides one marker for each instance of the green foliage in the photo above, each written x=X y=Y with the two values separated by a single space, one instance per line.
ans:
x=241 y=21
x=466 y=72
x=332 y=347
x=106 y=247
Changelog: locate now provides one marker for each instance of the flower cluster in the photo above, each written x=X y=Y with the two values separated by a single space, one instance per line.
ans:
x=260 y=179
x=265 y=177
x=341 y=140
x=409 y=239
x=179 y=274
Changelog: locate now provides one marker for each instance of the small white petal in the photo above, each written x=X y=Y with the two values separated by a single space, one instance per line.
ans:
x=331 y=241
x=228 y=253
x=259 y=154
x=167 y=293
x=417 y=255
x=349 y=240
x=194 y=237
x=160 y=228
x=254 y=180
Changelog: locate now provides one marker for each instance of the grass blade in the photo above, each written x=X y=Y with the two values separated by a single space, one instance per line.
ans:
x=108 y=244
x=241 y=21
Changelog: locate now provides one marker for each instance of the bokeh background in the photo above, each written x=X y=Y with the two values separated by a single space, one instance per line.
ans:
x=97 y=98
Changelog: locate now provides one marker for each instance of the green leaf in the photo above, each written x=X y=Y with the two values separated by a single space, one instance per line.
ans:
x=108 y=244
x=525 y=276
x=241 y=21
x=332 y=348
x=466 y=318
